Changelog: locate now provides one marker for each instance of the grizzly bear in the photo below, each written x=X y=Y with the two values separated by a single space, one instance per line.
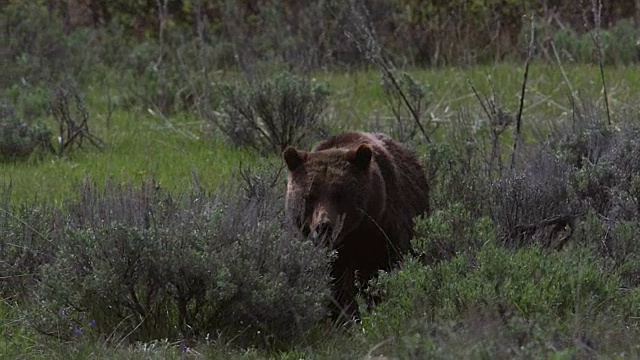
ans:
x=357 y=193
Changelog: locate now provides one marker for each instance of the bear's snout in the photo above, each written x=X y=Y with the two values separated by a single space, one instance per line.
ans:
x=323 y=231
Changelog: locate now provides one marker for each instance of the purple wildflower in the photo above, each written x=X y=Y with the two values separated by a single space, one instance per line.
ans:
x=92 y=323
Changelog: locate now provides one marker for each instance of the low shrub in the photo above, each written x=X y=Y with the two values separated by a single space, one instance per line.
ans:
x=29 y=101
x=24 y=244
x=535 y=204
x=156 y=79
x=618 y=44
x=535 y=261
x=141 y=264
x=271 y=114
x=36 y=43
x=528 y=302
x=18 y=139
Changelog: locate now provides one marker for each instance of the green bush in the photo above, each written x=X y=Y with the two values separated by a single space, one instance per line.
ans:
x=487 y=282
x=24 y=244
x=271 y=114
x=31 y=101
x=44 y=50
x=19 y=139
x=623 y=47
x=36 y=42
x=528 y=302
x=574 y=47
x=617 y=43
x=456 y=175
x=142 y=264
x=154 y=77
x=535 y=204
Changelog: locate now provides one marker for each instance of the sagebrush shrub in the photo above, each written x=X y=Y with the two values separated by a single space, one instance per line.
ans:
x=585 y=140
x=24 y=244
x=156 y=75
x=18 y=139
x=604 y=170
x=524 y=300
x=408 y=100
x=535 y=205
x=611 y=189
x=618 y=44
x=29 y=101
x=624 y=47
x=35 y=41
x=572 y=46
x=271 y=114
x=456 y=175
x=146 y=264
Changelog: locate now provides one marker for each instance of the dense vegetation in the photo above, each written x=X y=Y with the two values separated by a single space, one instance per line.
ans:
x=141 y=209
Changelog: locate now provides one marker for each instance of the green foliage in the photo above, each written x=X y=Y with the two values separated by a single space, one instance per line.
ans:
x=618 y=44
x=573 y=46
x=466 y=296
x=32 y=101
x=271 y=114
x=24 y=245
x=622 y=46
x=36 y=41
x=146 y=264
x=408 y=100
x=157 y=76
x=497 y=281
x=510 y=294
x=454 y=174
x=449 y=232
x=42 y=49
x=19 y=139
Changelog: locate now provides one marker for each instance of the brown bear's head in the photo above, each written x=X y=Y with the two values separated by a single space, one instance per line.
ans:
x=330 y=192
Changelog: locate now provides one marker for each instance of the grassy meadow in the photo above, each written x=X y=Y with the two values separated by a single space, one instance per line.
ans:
x=142 y=144
x=476 y=295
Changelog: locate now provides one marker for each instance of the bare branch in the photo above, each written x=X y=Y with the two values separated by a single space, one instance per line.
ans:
x=596 y=8
x=518 y=137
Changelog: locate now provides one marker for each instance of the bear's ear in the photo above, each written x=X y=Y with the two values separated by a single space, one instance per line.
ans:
x=361 y=157
x=293 y=157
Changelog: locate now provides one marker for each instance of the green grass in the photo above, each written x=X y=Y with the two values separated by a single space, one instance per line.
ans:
x=142 y=145
x=358 y=96
x=139 y=146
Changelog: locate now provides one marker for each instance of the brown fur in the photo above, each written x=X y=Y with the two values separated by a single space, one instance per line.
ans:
x=361 y=191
